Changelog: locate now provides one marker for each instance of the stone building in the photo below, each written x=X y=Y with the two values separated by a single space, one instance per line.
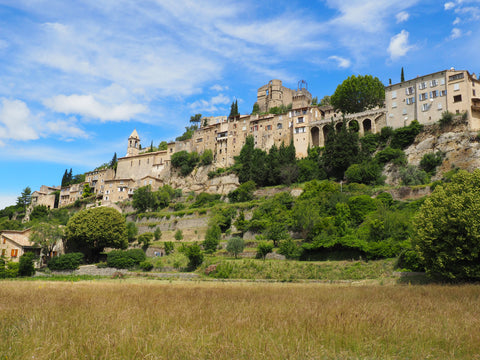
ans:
x=426 y=97
x=14 y=244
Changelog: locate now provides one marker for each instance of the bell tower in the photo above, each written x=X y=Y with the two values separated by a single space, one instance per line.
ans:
x=133 y=144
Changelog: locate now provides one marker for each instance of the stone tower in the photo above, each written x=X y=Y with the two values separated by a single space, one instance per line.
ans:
x=133 y=144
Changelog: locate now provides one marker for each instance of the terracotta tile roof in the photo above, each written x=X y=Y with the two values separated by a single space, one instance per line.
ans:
x=19 y=237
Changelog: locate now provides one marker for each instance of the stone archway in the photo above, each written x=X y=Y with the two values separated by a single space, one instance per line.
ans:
x=315 y=133
x=354 y=126
x=325 y=130
x=338 y=126
x=367 y=125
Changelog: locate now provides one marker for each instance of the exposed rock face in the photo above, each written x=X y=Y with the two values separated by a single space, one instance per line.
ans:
x=460 y=146
x=198 y=181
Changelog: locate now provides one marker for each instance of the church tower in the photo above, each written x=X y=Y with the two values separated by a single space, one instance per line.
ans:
x=133 y=144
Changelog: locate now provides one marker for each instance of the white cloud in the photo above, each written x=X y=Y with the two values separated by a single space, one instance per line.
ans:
x=341 y=62
x=449 y=5
x=456 y=33
x=210 y=105
x=402 y=16
x=457 y=21
x=65 y=129
x=89 y=106
x=16 y=121
x=399 y=45
x=218 y=87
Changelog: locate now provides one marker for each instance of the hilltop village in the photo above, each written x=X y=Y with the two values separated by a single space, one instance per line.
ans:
x=423 y=98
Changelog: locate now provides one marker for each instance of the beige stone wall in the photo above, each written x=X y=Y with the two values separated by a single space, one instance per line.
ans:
x=70 y=194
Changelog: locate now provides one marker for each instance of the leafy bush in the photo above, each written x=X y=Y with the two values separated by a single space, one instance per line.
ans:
x=263 y=249
x=235 y=245
x=405 y=136
x=125 y=259
x=178 y=235
x=145 y=239
x=369 y=143
x=207 y=157
x=8 y=270
x=212 y=238
x=430 y=162
x=446 y=118
x=368 y=172
x=69 y=261
x=157 y=234
x=289 y=249
x=385 y=134
x=26 y=266
x=205 y=200
x=179 y=206
x=195 y=256
x=397 y=156
x=169 y=247
x=185 y=161
x=412 y=175
x=145 y=266
x=409 y=260
x=243 y=193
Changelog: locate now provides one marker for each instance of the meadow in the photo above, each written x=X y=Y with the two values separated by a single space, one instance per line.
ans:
x=150 y=319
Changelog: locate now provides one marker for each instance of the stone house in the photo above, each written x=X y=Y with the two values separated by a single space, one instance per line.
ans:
x=14 y=244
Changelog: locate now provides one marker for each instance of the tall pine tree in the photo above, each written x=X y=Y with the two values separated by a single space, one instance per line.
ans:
x=402 y=76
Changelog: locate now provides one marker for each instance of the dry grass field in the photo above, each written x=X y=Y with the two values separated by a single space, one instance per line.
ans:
x=118 y=319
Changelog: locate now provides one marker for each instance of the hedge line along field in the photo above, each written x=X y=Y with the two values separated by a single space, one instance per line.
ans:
x=159 y=320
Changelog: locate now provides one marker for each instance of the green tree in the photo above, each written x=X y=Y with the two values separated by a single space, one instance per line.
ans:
x=169 y=247
x=212 y=238
x=87 y=191
x=256 y=109
x=234 y=109
x=178 y=235
x=145 y=239
x=114 y=162
x=39 y=212
x=132 y=231
x=157 y=234
x=195 y=256
x=243 y=193
x=25 y=198
x=402 y=76
x=207 y=157
x=447 y=229
x=326 y=100
x=47 y=236
x=91 y=230
x=263 y=249
x=143 y=199
x=243 y=162
x=235 y=245
x=196 y=119
x=26 y=266
x=163 y=146
x=357 y=94
x=276 y=232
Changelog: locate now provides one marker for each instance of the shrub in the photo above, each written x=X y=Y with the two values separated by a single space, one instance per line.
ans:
x=405 y=136
x=243 y=193
x=430 y=162
x=368 y=172
x=146 y=266
x=385 y=134
x=212 y=238
x=125 y=259
x=205 y=199
x=169 y=247
x=157 y=234
x=178 y=235
x=26 y=267
x=446 y=118
x=263 y=249
x=207 y=157
x=412 y=175
x=409 y=260
x=179 y=206
x=235 y=245
x=185 y=161
x=195 y=256
x=369 y=143
x=397 y=156
x=289 y=249
x=145 y=239
x=69 y=261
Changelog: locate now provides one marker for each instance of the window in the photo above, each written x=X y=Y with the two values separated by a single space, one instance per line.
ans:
x=443 y=93
x=279 y=126
x=433 y=83
x=4 y=252
x=456 y=87
x=300 y=120
x=394 y=104
x=404 y=112
x=409 y=90
x=394 y=94
x=457 y=98
x=299 y=130
x=455 y=77
x=473 y=92
x=410 y=100
x=14 y=252
x=442 y=81
x=439 y=106
x=423 y=96
x=434 y=94
x=425 y=106
x=4 y=240
x=268 y=127
x=422 y=85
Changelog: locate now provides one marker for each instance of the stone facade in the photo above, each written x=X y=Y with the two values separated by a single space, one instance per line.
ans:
x=425 y=98
x=14 y=244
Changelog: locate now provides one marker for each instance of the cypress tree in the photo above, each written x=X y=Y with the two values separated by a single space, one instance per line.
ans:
x=402 y=76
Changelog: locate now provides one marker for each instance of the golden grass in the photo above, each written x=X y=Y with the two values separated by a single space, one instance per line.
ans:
x=158 y=320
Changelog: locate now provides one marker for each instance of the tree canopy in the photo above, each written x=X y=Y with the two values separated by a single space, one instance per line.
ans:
x=447 y=229
x=92 y=230
x=358 y=93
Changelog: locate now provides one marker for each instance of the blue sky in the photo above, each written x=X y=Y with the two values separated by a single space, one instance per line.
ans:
x=76 y=77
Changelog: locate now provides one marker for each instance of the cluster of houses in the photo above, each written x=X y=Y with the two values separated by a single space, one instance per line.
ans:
x=423 y=98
